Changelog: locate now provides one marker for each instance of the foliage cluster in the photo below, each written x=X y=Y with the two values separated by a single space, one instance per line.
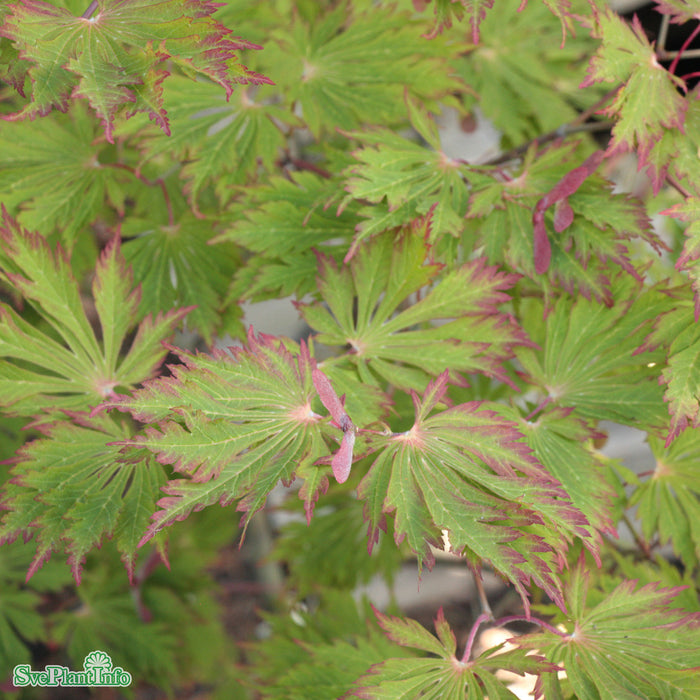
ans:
x=471 y=325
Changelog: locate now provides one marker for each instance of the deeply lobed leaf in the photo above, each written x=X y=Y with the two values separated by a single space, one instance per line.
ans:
x=233 y=425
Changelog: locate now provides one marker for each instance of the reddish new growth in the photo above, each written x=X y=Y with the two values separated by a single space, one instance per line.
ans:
x=342 y=462
x=563 y=213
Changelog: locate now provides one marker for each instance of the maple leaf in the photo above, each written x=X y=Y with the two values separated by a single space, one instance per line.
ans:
x=668 y=501
x=648 y=102
x=114 y=57
x=73 y=486
x=232 y=425
x=475 y=338
x=677 y=333
x=589 y=361
x=222 y=141
x=689 y=211
x=283 y=223
x=177 y=267
x=373 y=56
x=593 y=227
x=680 y=11
x=446 y=676
x=516 y=67
x=467 y=471
x=51 y=175
x=606 y=644
x=404 y=180
x=559 y=441
x=67 y=367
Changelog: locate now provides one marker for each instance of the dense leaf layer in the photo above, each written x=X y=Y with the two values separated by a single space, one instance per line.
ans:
x=233 y=425
x=115 y=57
x=66 y=366
x=466 y=470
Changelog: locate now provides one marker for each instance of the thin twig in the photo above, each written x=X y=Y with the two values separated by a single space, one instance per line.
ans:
x=681 y=51
x=481 y=592
x=663 y=35
x=576 y=125
x=677 y=186
x=643 y=546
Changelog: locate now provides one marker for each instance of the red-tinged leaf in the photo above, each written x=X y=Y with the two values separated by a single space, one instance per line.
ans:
x=560 y=193
x=648 y=102
x=232 y=425
x=407 y=346
x=69 y=368
x=606 y=644
x=689 y=259
x=73 y=486
x=446 y=677
x=467 y=471
x=109 y=58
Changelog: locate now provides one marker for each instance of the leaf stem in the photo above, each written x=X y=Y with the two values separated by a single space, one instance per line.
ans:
x=643 y=546
x=472 y=635
x=90 y=9
x=681 y=51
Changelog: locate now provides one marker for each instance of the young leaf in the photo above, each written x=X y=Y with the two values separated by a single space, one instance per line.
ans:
x=232 y=425
x=402 y=347
x=67 y=366
x=669 y=500
x=115 y=57
x=467 y=471
x=446 y=676
x=74 y=486
x=689 y=260
x=647 y=102
x=284 y=222
x=606 y=645
x=221 y=142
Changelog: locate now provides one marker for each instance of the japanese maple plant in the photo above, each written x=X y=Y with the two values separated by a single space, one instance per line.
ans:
x=475 y=327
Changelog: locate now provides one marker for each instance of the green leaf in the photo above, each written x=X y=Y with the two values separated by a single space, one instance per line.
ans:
x=445 y=676
x=679 y=335
x=66 y=366
x=223 y=142
x=668 y=500
x=562 y=444
x=590 y=361
x=177 y=267
x=601 y=229
x=467 y=471
x=689 y=260
x=648 y=101
x=404 y=180
x=74 y=486
x=51 y=176
x=606 y=645
x=518 y=66
x=232 y=425
x=109 y=58
x=373 y=55
x=283 y=223
x=404 y=347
